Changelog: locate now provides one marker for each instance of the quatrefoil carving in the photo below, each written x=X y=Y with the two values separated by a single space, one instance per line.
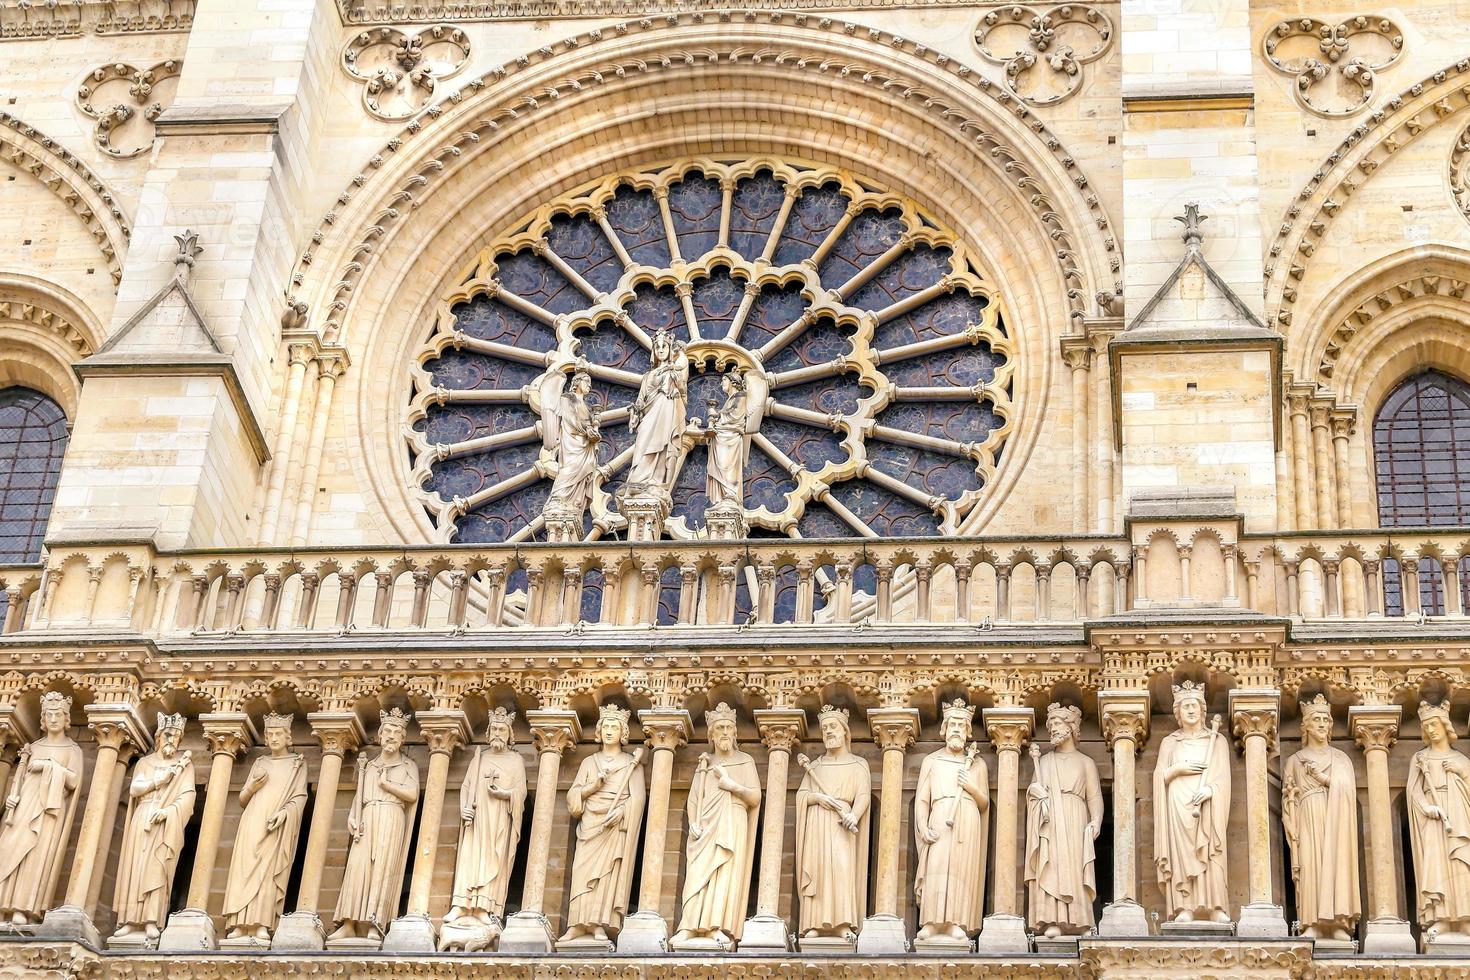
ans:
x=1336 y=66
x=1043 y=51
x=400 y=71
x=125 y=101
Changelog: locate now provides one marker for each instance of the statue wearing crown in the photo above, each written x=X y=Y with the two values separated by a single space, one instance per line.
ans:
x=606 y=799
x=832 y=835
x=378 y=825
x=1319 y=810
x=1192 y=812
x=38 y=815
x=1439 y=828
x=1064 y=813
x=952 y=830
x=272 y=799
x=724 y=799
x=657 y=418
x=160 y=803
x=492 y=800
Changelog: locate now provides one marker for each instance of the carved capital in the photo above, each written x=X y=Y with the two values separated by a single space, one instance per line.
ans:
x=554 y=730
x=666 y=729
x=444 y=730
x=117 y=726
x=1125 y=715
x=1374 y=726
x=1076 y=353
x=339 y=731
x=1009 y=728
x=782 y=729
x=228 y=732
x=894 y=729
x=1255 y=714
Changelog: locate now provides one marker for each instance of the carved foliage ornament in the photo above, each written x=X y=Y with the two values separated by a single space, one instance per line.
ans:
x=1043 y=52
x=400 y=71
x=125 y=101
x=1335 y=65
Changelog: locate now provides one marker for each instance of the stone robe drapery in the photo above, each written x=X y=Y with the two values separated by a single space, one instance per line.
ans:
x=831 y=861
x=1189 y=847
x=1441 y=847
x=1322 y=827
x=150 y=851
x=949 y=882
x=576 y=455
x=487 y=844
x=375 y=861
x=724 y=476
x=717 y=873
x=260 y=868
x=34 y=834
x=660 y=405
x=602 y=868
x=1061 y=876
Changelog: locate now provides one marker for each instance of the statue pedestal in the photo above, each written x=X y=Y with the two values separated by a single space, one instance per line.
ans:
x=410 y=934
x=726 y=522
x=1334 y=947
x=644 y=932
x=563 y=525
x=1447 y=944
x=469 y=935
x=1002 y=933
x=882 y=935
x=69 y=922
x=944 y=945
x=1388 y=936
x=827 y=944
x=703 y=945
x=244 y=944
x=299 y=931
x=1057 y=945
x=585 y=944
x=188 y=930
x=134 y=942
x=353 y=945
x=527 y=932
x=1262 y=921
x=1123 y=918
x=1199 y=930
x=763 y=935
x=645 y=510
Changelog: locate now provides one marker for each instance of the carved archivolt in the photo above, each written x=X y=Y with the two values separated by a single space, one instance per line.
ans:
x=401 y=72
x=125 y=101
x=1043 y=51
x=1460 y=172
x=876 y=355
x=1413 y=288
x=1335 y=65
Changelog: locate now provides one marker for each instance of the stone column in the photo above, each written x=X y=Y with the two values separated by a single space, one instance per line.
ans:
x=125 y=757
x=339 y=732
x=299 y=355
x=1301 y=467
x=1125 y=723
x=1376 y=727
x=1004 y=930
x=114 y=725
x=1344 y=424
x=782 y=729
x=1078 y=357
x=229 y=735
x=1322 y=465
x=444 y=731
x=666 y=730
x=1254 y=717
x=554 y=731
x=894 y=730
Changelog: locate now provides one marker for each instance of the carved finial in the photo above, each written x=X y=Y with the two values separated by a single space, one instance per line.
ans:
x=1191 y=219
x=189 y=250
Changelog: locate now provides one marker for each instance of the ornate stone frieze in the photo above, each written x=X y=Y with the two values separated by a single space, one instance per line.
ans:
x=1043 y=51
x=1335 y=66
x=376 y=12
x=401 y=71
x=125 y=101
x=23 y=21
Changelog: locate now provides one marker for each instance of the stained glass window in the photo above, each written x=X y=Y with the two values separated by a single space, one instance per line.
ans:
x=32 y=442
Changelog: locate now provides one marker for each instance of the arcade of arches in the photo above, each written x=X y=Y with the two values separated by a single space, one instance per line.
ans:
x=658 y=490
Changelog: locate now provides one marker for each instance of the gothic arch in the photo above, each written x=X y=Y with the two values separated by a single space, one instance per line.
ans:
x=44 y=330
x=627 y=97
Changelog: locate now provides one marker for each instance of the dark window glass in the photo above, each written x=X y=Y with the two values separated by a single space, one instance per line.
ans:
x=32 y=442
x=1421 y=453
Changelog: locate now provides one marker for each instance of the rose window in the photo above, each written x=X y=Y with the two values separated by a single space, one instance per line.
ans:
x=875 y=361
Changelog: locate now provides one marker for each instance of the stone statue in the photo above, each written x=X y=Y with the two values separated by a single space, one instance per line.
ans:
x=1192 y=811
x=725 y=474
x=1064 y=812
x=606 y=799
x=574 y=431
x=1319 y=808
x=492 y=800
x=160 y=803
x=952 y=828
x=657 y=420
x=832 y=834
x=724 y=800
x=265 y=836
x=38 y=815
x=379 y=824
x=1438 y=795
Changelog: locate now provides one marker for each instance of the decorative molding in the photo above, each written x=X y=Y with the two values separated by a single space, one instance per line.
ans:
x=21 y=21
x=126 y=101
x=49 y=320
x=73 y=182
x=1043 y=52
x=1411 y=289
x=356 y=12
x=401 y=72
x=1374 y=44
